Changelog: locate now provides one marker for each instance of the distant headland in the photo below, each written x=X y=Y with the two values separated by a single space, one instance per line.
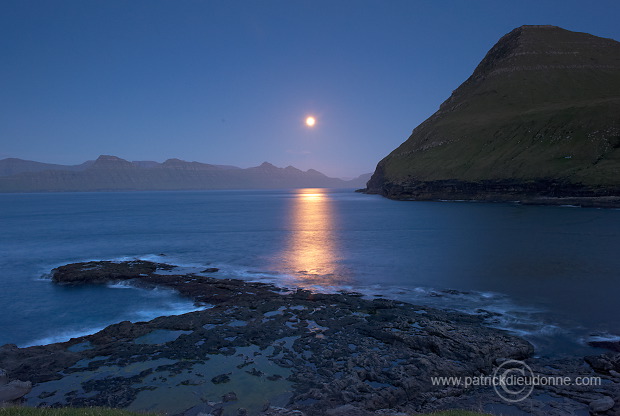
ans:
x=111 y=173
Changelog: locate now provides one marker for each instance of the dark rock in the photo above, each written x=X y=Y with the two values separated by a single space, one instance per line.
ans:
x=245 y=364
x=602 y=405
x=97 y=272
x=210 y=270
x=222 y=378
x=229 y=397
x=343 y=350
x=13 y=390
x=609 y=345
x=255 y=372
x=604 y=363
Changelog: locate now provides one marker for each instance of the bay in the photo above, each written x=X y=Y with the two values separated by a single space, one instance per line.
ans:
x=550 y=274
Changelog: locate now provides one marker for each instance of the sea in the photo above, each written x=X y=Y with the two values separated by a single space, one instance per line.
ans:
x=550 y=274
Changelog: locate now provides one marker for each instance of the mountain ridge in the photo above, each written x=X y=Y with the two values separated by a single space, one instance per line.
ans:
x=538 y=118
x=111 y=173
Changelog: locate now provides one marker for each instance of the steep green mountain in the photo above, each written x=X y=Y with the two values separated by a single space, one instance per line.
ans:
x=538 y=118
x=110 y=173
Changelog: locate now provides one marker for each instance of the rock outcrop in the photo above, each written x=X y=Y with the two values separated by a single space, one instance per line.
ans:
x=13 y=390
x=538 y=119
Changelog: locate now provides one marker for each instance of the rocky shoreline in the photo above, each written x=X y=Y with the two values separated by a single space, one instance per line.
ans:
x=527 y=192
x=257 y=349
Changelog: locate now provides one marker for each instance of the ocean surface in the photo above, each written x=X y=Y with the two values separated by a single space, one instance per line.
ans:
x=550 y=274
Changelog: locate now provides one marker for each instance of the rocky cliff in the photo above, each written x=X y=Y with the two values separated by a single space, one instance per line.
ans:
x=539 y=118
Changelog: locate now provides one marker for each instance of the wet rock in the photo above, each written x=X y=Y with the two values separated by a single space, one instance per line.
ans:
x=609 y=345
x=344 y=353
x=254 y=372
x=97 y=272
x=210 y=270
x=14 y=390
x=219 y=379
x=604 y=363
x=229 y=397
x=245 y=364
x=602 y=405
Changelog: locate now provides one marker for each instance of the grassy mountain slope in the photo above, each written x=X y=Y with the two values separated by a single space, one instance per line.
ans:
x=540 y=115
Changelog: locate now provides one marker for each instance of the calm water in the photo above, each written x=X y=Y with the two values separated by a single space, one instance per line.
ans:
x=552 y=272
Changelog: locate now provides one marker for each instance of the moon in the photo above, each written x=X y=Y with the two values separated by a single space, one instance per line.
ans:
x=310 y=121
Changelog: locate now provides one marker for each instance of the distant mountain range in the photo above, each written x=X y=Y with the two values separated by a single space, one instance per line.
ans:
x=111 y=173
x=538 y=119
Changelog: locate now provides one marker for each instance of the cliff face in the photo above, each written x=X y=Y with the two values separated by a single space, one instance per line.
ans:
x=540 y=116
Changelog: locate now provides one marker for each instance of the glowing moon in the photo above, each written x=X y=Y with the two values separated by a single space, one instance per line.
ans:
x=310 y=121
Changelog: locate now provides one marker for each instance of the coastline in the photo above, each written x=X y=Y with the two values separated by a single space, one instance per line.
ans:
x=535 y=192
x=298 y=350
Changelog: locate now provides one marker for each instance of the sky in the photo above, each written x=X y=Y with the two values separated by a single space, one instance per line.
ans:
x=231 y=82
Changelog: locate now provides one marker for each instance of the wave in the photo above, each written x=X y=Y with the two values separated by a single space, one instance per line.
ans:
x=173 y=307
x=496 y=309
x=120 y=285
x=63 y=336
x=602 y=337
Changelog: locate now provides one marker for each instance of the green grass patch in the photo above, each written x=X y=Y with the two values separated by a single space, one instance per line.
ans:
x=102 y=411
x=68 y=411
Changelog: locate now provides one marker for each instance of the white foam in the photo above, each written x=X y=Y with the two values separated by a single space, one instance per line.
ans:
x=503 y=313
x=62 y=336
x=172 y=308
x=603 y=337
x=120 y=285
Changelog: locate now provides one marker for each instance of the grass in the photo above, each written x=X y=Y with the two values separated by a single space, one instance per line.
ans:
x=102 y=411
x=68 y=411
x=550 y=123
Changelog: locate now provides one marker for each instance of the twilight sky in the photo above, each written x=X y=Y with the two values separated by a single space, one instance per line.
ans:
x=231 y=82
